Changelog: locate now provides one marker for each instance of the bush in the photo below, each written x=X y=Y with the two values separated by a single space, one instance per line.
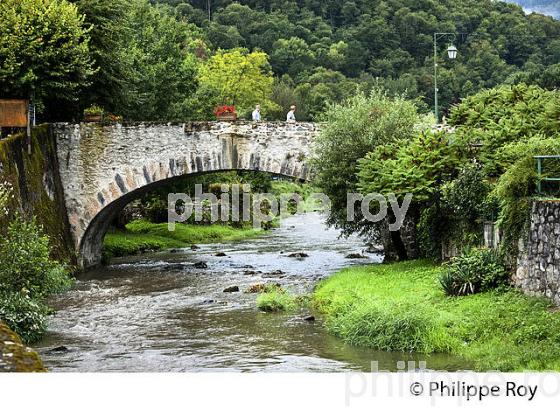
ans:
x=474 y=271
x=25 y=316
x=25 y=264
x=27 y=277
x=275 y=299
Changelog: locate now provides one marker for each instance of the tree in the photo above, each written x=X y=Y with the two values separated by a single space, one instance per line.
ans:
x=504 y=115
x=240 y=78
x=418 y=166
x=43 y=50
x=352 y=130
x=324 y=87
x=165 y=68
x=292 y=56
x=107 y=22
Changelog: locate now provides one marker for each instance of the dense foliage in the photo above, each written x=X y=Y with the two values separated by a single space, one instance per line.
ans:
x=482 y=171
x=474 y=271
x=505 y=128
x=236 y=77
x=360 y=125
x=44 y=50
x=418 y=165
x=384 y=41
x=27 y=276
x=506 y=114
x=148 y=61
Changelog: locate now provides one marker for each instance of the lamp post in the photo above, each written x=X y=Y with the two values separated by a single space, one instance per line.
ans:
x=452 y=54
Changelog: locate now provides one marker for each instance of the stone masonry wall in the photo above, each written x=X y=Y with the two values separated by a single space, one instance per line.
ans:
x=538 y=263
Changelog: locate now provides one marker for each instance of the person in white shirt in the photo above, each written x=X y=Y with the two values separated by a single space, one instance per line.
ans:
x=257 y=113
x=291 y=117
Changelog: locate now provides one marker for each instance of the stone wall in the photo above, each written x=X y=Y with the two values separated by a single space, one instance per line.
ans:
x=538 y=263
x=37 y=187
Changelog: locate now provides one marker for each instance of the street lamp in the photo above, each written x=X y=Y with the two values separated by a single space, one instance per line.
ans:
x=452 y=54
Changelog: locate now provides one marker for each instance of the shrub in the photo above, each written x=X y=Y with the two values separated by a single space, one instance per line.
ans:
x=25 y=264
x=475 y=270
x=275 y=299
x=27 y=277
x=25 y=316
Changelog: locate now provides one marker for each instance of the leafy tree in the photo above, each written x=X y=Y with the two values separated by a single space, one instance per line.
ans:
x=107 y=22
x=284 y=95
x=165 y=65
x=503 y=115
x=324 y=87
x=292 y=56
x=419 y=166
x=43 y=50
x=353 y=129
x=239 y=77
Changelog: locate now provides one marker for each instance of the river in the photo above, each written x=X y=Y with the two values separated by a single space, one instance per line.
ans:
x=158 y=313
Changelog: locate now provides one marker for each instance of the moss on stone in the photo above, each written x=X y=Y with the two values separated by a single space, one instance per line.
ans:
x=37 y=187
x=15 y=356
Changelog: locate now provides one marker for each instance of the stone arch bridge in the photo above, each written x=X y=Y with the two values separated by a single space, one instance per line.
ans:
x=103 y=168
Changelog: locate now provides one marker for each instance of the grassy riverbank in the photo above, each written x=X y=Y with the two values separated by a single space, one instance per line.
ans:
x=141 y=236
x=402 y=307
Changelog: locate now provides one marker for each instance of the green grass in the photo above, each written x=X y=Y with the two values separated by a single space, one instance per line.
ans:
x=143 y=236
x=275 y=299
x=402 y=307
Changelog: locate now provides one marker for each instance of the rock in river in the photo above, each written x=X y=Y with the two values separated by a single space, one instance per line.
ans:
x=274 y=274
x=231 y=289
x=59 y=349
x=201 y=265
x=298 y=255
x=174 y=266
x=221 y=254
x=355 y=256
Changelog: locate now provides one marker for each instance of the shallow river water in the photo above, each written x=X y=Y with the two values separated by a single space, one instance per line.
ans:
x=157 y=312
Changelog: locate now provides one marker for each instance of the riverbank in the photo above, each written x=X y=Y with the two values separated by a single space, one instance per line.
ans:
x=142 y=236
x=401 y=307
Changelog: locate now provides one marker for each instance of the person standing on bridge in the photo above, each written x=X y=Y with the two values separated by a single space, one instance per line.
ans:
x=291 y=117
x=257 y=113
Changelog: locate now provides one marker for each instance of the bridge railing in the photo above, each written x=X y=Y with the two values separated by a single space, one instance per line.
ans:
x=547 y=174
